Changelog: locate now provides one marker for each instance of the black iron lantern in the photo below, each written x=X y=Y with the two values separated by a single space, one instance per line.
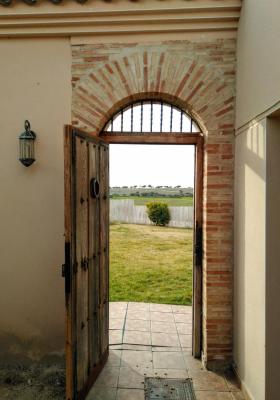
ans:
x=26 y=146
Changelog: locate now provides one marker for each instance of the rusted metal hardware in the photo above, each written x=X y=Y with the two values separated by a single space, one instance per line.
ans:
x=94 y=188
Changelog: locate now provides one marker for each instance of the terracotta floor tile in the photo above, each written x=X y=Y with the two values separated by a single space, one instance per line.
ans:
x=108 y=377
x=138 y=306
x=115 y=336
x=114 y=359
x=165 y=349
x=119 y=314
x=206 y=395
x=102 y=393
x=136 y=347
x=137 y=325
x=232 y=381
x=207 y=380
x=136 y=337
x=171 y=373
x=186 y=340
x=133 y=379
x=169 y=360
x=118 y=305
x=116 y=323
x=138 y=314
x=163 y=327
x=157 y=342
x=182 y=309
x=192 y=363
x=184 y=329
x=161 y=308
x=162 y=316
x=165 y=339
x=139 y=359
x=185 y=318
x=130 y=394
x=237 y=396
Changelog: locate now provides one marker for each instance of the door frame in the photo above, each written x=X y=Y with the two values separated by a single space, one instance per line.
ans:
x=197 y=140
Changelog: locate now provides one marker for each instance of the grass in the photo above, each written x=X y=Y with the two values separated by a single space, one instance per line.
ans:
x=171 y=201
x=150 y=264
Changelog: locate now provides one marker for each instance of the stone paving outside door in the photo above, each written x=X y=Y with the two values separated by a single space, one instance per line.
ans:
x=155 y=340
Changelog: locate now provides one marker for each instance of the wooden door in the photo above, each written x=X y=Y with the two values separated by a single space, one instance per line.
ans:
x=86 y=268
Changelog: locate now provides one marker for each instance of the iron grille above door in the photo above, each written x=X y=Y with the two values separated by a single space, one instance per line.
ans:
x=152 y=117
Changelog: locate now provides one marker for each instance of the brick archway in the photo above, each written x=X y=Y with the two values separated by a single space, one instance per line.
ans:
x=199 y=78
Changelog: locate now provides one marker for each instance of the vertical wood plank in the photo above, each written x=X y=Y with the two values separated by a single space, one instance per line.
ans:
x=82 y=255
x=94 y=341
x=69 y=347
x=104 y=247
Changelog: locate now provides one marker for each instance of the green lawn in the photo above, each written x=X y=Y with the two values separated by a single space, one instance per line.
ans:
x=150 y=264
x=171 y=201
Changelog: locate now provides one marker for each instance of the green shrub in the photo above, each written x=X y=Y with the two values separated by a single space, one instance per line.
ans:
x=158 y=213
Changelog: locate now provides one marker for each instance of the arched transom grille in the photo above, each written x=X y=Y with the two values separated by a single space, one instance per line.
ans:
x=152 y=117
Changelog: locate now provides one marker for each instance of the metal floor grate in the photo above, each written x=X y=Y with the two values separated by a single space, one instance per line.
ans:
x=169 y=389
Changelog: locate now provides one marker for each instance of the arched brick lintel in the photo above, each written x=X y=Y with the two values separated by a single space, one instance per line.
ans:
x=195 y=85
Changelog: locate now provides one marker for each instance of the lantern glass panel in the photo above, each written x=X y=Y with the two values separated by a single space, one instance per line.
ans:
x=27 y=148
x=27 y=151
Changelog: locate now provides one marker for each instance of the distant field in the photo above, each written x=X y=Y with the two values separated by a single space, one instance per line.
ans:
x=150 y=264
x=171 y=201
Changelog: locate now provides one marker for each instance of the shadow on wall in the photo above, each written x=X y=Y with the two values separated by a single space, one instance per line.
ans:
x=249 y=324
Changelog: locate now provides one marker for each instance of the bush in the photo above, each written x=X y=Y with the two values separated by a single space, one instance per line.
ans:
x=158 y=213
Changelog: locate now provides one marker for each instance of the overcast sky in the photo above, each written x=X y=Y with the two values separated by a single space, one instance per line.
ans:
x=155 y=165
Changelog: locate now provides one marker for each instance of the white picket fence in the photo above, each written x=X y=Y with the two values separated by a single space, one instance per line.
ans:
x=126 y=212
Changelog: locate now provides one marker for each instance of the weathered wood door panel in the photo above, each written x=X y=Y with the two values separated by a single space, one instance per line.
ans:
x=86 y=267
x=104 y=243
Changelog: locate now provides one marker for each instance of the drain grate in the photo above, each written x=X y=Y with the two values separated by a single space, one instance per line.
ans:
x=168 y=389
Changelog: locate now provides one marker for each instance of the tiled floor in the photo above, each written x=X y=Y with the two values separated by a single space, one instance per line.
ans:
x=155 y=340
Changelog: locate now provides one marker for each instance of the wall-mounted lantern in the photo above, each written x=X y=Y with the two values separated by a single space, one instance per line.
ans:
x=26 y=146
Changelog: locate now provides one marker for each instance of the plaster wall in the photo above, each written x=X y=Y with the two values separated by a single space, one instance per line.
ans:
x=256 y=290
x=249 y=296
x=35 y=84
x=272 y=259
x=258 y=86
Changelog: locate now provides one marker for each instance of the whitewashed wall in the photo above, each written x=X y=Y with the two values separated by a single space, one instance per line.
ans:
x=126 y=212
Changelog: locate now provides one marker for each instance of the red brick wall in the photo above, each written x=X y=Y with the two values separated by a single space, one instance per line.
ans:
x=200 y=78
